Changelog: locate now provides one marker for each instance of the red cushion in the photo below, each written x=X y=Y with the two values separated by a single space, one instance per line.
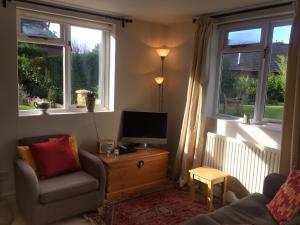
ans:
x=54 y=157
x=287 y=200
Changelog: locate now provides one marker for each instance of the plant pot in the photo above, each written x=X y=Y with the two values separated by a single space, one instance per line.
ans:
x=44 y=106
x=90 y=103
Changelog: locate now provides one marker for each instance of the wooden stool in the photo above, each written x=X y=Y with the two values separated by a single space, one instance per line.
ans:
x=210 y=177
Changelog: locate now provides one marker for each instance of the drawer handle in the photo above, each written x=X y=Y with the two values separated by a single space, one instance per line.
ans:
x=140 y=164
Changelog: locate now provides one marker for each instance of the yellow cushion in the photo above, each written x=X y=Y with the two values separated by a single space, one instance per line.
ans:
x=25 y=154
x=73 y=147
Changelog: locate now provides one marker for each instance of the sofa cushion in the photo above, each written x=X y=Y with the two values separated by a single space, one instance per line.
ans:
x=66 y=186
x=286 y=202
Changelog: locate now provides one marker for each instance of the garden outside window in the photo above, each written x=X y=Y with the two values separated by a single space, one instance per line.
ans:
x=253 y=70
x=62 y=59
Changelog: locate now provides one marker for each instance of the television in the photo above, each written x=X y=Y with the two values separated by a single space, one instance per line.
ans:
x=144 y=127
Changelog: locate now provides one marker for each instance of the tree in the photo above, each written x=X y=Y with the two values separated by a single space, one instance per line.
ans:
x=246 y=88
x=85 y=69
x=39 y=72
x=31 y=67
x=228 y=82
x=277 y=82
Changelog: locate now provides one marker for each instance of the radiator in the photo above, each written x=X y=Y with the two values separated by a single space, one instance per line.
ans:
x=250 y=163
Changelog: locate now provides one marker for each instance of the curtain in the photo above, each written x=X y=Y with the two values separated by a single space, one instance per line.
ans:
x=290 y=147
x=190 y=149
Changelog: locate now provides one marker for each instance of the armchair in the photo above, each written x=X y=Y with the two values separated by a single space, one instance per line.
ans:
x=42 y=201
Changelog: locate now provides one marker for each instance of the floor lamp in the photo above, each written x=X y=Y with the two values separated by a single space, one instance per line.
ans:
x=159 y=81
x=162 y=52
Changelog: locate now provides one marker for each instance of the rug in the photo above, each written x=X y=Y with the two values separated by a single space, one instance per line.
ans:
x=167 y=206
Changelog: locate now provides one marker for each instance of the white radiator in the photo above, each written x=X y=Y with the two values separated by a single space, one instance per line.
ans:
x=249 y=163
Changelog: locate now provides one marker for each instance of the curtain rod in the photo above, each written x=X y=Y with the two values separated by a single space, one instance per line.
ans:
x=247 y=10
x=122 y=19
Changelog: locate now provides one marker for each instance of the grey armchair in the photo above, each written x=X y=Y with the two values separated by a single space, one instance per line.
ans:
x=44 y=201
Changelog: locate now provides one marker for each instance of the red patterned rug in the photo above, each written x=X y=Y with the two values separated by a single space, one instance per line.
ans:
x=171 y=205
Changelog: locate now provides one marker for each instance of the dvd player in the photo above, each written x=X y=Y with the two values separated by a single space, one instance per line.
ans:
x=126 y=149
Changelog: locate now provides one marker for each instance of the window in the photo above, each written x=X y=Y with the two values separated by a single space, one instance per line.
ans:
x=244 y=37
x=253 y=70
x=61 y=59
x=43 y=29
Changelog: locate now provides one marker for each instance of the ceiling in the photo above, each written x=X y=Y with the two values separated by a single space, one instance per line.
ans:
x=162 y=11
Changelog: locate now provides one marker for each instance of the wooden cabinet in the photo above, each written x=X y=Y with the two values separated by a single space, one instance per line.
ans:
x=134 y=172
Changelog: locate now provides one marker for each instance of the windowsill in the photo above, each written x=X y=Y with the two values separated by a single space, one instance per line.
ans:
x=56 y=112
x=239 y=121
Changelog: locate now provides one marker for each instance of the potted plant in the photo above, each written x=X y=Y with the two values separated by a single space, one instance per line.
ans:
x=90 y=101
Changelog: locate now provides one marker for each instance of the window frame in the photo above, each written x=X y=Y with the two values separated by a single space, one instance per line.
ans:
x=267 y=26
x=106 y=71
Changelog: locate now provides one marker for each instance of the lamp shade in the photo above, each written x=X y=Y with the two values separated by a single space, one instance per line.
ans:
x=163 y=52
x=159 y=80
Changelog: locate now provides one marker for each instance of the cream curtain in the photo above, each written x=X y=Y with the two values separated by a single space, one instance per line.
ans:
x=190 y=149
x=290 y=148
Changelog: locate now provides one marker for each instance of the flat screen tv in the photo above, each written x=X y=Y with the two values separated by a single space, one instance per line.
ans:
x=144 y=127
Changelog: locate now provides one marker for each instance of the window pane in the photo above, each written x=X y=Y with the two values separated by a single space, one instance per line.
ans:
x=86 y=63
x=240 y=72
x=244 y=37
x=277 y=72
x=38 y=28
x=40 y=74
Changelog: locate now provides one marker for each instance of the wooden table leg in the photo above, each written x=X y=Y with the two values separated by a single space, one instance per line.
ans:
x=192 y=187
x=210 y=196
x=224 y=190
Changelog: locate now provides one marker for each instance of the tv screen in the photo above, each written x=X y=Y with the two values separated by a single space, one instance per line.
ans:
x=144 y=125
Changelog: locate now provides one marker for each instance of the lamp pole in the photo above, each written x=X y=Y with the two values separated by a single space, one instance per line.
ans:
x=163 y=52
x=162 y=85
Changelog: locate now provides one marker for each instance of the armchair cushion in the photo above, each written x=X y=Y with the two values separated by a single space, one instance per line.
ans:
x=66 y=186
x=25 y=154
x=73 y=147
x=54 y=157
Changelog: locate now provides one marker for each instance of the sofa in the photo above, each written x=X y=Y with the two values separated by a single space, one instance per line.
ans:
x=43 y=201
x=249 y=210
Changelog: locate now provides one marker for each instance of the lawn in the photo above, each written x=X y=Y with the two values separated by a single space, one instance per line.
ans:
x=25 y=107
x=28 y=107
x=271 y=111
x=274 y=111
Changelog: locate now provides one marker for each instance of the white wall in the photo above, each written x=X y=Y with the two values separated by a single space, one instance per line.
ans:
x=8 y=92
x=136 y=65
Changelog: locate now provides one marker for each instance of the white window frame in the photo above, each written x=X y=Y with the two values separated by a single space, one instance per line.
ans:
x=264 y=47
x=107 y=70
